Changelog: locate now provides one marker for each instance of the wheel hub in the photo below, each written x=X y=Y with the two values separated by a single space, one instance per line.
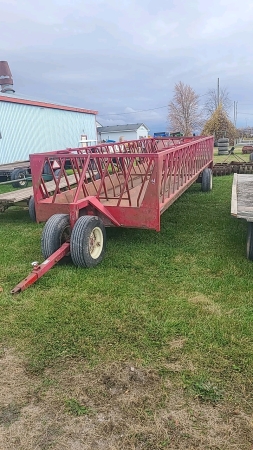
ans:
x=65 y=236
x=95 y=243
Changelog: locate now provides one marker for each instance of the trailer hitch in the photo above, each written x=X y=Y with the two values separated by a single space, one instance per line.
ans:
x=40 y=269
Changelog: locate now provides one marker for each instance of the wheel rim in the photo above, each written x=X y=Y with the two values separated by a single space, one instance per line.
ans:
x=20 y=178
x=96 y=242
x=65 y=236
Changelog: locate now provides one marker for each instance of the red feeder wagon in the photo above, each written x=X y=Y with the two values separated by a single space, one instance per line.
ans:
x=127 y=184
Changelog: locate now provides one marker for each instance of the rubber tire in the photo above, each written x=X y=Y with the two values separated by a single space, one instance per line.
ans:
x=251 y=157
x=250 y=241
x=79 y=241
x=52 y=235
x=46 y=169
x=221 y=151
x=32 y=211
x=224 y=145
x=57 y=173
x=221 y=140
x=15 y=175
x=207 y=180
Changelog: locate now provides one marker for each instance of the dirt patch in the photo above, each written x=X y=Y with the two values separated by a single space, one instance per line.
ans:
x=9 y=414
x=207 y=304
x=177 y=344
x=117 y=406
x=12 y=374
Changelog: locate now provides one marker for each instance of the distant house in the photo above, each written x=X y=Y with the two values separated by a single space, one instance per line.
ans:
x=127 y=132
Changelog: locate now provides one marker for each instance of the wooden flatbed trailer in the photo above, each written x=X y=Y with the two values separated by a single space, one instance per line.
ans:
x=242 y=205
x=21 y=197
x=18 y=173
x=15 y=171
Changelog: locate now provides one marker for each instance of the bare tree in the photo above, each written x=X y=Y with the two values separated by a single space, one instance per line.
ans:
x=184 y=113
x=212 y=101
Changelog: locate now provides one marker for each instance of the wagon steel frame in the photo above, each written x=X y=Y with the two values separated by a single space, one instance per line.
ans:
x=127 y=184
x=138 y=180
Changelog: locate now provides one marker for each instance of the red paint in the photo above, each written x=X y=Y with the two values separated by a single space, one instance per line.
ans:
x=21 y=101
x=128 y=184
x=39 y=270
x=142 y=178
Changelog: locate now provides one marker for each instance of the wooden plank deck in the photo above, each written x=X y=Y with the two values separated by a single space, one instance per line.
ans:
x=14 y=165
x=133 y=197
x=20 y=195
x=242 y=197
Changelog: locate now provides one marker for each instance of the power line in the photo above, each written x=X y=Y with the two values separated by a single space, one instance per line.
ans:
x=140 y=110
x=246 y=103
x=248 y=114
x=132 y=112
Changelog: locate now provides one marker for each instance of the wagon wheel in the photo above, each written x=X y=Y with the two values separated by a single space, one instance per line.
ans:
x=32 y=211
x=19 y=174
x=55 y=233
x=250 y=241
x=57 y=173
x=87 y=243
x=207 y=180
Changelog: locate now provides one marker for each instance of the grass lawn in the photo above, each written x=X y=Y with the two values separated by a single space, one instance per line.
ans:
x=238 y=155
x=152 y=349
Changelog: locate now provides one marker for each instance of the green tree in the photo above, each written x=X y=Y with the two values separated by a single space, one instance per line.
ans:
x=220 y=126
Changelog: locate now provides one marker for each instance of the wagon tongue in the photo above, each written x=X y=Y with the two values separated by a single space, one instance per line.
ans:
x=40 y=269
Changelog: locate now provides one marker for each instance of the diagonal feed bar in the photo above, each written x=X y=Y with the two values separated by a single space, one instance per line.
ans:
x=39 y=270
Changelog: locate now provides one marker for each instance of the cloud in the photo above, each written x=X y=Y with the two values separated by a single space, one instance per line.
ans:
x=111 y=56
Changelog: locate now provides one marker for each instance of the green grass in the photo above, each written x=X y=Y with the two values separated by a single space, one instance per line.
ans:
x=228 y=158
x=6 y=188
x=191 y=281
x=74 y=408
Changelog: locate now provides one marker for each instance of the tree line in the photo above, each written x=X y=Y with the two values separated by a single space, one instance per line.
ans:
x=186 y=115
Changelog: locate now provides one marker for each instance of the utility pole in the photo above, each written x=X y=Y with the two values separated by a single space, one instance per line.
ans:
x=218 y=92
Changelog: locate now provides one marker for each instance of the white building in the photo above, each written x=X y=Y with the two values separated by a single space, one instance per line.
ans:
x=118 y=133
x=31 y=126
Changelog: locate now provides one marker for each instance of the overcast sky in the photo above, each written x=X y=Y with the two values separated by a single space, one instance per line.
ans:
x=121 y=56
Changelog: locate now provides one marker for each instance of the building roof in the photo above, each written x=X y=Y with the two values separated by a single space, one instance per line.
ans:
x=121 y=128
x=21 y=99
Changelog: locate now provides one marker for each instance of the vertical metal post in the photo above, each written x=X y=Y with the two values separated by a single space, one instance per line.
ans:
x=218 y=92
